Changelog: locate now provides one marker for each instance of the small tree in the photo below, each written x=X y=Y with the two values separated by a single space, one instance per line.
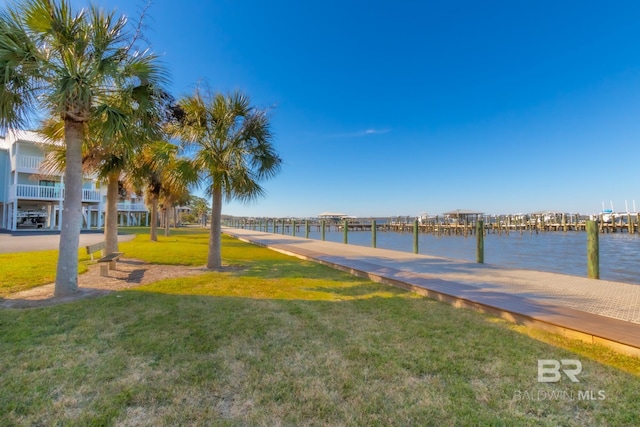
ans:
x=159 y=171
x=200 y=209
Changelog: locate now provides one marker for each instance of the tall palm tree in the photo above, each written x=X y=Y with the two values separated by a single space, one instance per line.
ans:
x=233 y=151
x=66 y=63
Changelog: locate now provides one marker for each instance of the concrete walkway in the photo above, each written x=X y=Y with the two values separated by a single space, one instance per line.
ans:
x=596 y=311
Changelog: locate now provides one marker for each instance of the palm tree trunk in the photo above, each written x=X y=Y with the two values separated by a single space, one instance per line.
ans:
x=175 y=217
x=154 y=218
x=111 y=220
x=214 y=259
x=67 y=268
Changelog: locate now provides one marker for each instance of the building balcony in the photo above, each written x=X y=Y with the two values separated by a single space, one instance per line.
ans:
x=41 y=192
x=91 y=195
x=37 y=192
x=28 y=163
x=132 y=207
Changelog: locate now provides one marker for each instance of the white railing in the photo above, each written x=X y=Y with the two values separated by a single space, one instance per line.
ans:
x=31 y=163
x=90 y=195
x=39 y=192
x=132 y=207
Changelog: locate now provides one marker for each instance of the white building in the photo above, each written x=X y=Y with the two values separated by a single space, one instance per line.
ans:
x=31 y=199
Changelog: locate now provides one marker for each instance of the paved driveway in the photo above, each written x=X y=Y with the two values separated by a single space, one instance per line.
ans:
x=38 y=242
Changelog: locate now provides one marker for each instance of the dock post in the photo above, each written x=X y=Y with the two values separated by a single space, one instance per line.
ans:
x=293 y=227
x=322 y=229
x=415 y=236
x=283 y=230
x=374 y=230
x=593 y=251
x=345 y=238
x=306 y=228
x=480 y=241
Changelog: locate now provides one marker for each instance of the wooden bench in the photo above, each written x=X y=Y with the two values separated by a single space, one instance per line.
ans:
x=108 y=260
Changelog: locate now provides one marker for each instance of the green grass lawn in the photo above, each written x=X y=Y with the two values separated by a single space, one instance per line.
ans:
x=274 y=340
x=21 y=271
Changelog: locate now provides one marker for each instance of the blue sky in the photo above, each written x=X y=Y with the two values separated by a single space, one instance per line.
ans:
x=398 y=108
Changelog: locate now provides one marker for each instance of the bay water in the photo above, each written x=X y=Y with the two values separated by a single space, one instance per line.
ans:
x=557 y=252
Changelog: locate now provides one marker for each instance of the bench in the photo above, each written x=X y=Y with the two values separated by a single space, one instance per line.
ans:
x=108 y=260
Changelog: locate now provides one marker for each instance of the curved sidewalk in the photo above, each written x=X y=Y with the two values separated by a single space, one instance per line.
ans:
x=596 y=311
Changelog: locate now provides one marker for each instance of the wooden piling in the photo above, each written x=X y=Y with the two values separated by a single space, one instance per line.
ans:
x=374 y=230
x=480 y=241
x=415 y=236
x=593 y=250
x=345 y=238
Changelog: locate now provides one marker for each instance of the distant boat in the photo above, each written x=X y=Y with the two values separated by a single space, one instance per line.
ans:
x=609 y=215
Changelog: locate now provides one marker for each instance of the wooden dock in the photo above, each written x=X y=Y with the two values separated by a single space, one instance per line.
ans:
x=502 y=224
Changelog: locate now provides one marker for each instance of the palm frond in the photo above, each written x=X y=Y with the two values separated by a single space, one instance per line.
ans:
x=232 y=141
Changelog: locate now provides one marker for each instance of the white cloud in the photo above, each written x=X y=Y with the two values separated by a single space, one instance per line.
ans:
x=359 y=133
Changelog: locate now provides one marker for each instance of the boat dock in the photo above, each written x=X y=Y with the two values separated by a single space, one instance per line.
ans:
x=498 y=224
x=595 y=311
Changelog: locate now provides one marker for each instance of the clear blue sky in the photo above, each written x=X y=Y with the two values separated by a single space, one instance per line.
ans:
x=397 y=108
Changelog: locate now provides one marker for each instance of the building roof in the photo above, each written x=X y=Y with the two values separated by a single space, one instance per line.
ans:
x=462 y=212
x=331 y=215
x=26 y=135
x=14 y=135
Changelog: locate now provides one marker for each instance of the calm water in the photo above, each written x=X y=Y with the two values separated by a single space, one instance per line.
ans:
x=551 y=251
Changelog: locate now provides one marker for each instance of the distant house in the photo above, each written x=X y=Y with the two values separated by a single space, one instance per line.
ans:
x=462 y=215
x=332 y=216
x=33 y=199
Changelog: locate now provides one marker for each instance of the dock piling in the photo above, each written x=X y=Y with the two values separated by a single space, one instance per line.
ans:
x=480 y=241
x=593 y=250
x=374 y=230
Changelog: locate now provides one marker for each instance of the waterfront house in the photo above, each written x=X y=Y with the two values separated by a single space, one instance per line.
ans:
x=33 y=199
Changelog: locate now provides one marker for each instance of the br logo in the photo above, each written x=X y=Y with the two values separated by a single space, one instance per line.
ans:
x=549 y=370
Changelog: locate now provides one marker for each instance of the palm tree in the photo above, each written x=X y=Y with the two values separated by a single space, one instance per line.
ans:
x=108 y=149
x=159 y=172
x=173 y=198
x=66 y=63
x=107 y=163
x=200 y=209
x=233 y=152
